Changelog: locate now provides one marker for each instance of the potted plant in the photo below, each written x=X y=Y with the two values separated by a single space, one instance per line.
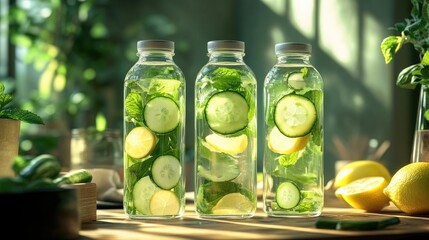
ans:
x=415 y=31
x=10 y=121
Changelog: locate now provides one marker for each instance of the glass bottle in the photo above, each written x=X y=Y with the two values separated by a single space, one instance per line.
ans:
x=225 y=135
x=421 y=134
x=293 y=129
x=154 y=129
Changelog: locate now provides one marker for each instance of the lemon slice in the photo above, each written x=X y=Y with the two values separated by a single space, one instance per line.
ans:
x=233 y=203
x=279 y=143
x=164 y=202
x=139 y=142
x=365 y=193
x=230 y=145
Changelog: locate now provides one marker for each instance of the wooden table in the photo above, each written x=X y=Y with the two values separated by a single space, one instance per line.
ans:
x=113 y=224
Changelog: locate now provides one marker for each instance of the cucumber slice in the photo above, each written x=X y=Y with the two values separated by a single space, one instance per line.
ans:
x=294 y=115
x=142 y=193
x=288 y=195
x=166 y=171
x=296 y=80
x=219 y=172
x=161 y=114
x=227 y=112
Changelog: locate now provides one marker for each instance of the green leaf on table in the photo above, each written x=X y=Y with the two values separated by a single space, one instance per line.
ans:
x=20 y=115
x=409 y=77
x=390 y=46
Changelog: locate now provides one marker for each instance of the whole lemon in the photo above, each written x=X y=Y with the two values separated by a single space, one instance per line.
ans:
x=360 y=169
x=409 y=188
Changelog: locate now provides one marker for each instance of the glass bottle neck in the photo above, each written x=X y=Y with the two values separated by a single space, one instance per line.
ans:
x=294 y=58
x=229 y=56
x=155 y=56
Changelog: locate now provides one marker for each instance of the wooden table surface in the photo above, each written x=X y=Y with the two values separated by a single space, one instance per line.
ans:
x=113 y=224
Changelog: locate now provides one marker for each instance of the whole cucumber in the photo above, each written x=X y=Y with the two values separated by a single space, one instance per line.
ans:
x=20 y=162
x=76 y=176
x=42 y=166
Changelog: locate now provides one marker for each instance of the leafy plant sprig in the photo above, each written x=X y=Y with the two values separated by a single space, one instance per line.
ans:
x=415 y=31
x=15 y=113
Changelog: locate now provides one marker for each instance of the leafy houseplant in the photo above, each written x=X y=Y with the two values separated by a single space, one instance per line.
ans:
x=10 y=119
x=415 y=31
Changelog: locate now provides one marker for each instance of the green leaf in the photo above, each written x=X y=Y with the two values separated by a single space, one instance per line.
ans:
x=288 y=160
x=426 y=115
x=21 y=115
x=425 y=11
x=390 y=46
x=134 y=107
x=425 y=59
x=5 y=99
x=226 y=78
x=408 y=78
x=304 y=72
x=1 y=88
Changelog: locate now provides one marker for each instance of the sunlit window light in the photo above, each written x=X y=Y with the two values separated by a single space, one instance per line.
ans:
x=339 y=38
x=277 y=6
x=302 y=16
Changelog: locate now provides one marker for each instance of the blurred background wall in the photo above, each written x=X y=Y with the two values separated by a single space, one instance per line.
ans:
x=66 y=61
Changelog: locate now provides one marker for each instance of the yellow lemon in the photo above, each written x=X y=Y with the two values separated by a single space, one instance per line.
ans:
x=409 y=188
x=233 y=203
x=365 y=193
x=164 y=202
x=279 y=143
x=139 y=142
x=360 y=169
x=230 y=145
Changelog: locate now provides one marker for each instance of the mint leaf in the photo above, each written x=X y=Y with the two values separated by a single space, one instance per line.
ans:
x=20 y=115
x=5 y=99
x=288 y=160
x=134 y=107
x=425 y=11
x=425 y=59
x=390 y=46
x=304 y=72
x=409 y=77
x=226 y=78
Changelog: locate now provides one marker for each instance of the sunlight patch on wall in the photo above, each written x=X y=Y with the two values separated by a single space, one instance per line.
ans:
x=338 y=31
x=277 y=6
x=302 y=16
x=376 y=75
x=277 y=34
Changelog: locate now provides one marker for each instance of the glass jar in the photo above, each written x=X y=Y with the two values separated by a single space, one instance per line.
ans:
x=421 y=134
x=90 y=148
x=225 y=134
x=293 y=129
x=154 y=130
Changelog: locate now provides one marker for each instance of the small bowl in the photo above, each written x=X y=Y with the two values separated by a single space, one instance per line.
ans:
x=42 y=214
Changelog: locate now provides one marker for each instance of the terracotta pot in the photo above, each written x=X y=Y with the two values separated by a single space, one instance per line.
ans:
x=9 y=145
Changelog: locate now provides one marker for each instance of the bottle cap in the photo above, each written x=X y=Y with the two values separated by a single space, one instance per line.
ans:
x=225 y=45
x=293 y=47
x=161 y=45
